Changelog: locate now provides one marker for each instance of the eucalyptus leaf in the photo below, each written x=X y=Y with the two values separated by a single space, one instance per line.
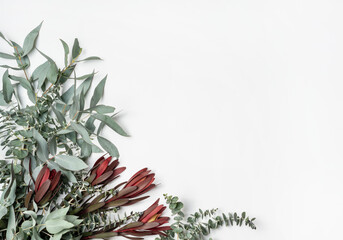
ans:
x=3 y=211
x=101 y=109
x=82 y=131
x=108 y=147
x=111 y=123
x=98 y=92
x=30 y=40
x=66 y=52
x=7 y=87
x=3 y=37
x=13 y=68
x=42 y=148
x=90 y=58
x=76 y=49
x=86 y=76
x=71 y=163
x=53 y=70
x=22 y=61
x=85 y=85
x=11 y=224
x=40 y=73
x=61 y=119
x=6 y=56
x=58 y=214
x=57 y=225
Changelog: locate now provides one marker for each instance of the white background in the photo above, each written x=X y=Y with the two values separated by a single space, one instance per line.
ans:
x=234 y=104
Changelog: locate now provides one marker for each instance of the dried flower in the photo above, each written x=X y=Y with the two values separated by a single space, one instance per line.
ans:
x=150 y=223
x=45 y=187
x=140 y=183
x=104 y=171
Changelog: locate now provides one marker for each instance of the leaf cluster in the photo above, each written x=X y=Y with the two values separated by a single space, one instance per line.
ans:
x=58 y=123
x=201 y=223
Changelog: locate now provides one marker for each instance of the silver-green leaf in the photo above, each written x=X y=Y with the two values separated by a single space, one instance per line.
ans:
x=111 y=123
x=76 y=49
x=71 y=163
x=98 y=92
x=6 y=56
x=30 y=40
x=66 y=52
x=7 y=87
x=108 y=147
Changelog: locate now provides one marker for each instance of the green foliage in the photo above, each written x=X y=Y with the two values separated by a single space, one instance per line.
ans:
x=54 y=126
x=48 y=134
x=201 y=223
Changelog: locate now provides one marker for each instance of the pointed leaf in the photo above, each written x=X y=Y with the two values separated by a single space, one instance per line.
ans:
x=66 y=52
x=76 y=49
x=108 y=147
x=6 y=56
x=98 y=92
x=11 y=224
x=30 y=40
x=57 y=225
x=82 y=131
x=90 y=58
x=111 y=123
x=53 y=70
x=7 y=87
x=40 y=73
x=71 y=163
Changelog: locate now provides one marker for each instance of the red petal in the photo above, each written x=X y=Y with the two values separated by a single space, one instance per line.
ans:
x=39 y=177
x=162 y=220
x=132 y=225
x=152 y=213
x=55 y=180
x=113 y=165
x=101 y=169
x=52 y=174
x=123 y=193
x=45 y=177
x=166 y=228
x=42 y=191
x=119 y=185
x=136 y=174
x=142 y=185
x=118 y=171
x=99 y=160
x=138 y=178
x=102 y=178
x=133 y=201
x=144 y=191
x=151 y=208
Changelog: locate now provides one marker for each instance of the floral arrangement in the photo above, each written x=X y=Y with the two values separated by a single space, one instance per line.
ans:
x=48 y=190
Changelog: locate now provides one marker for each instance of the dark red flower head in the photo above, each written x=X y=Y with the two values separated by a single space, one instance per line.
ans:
x=138 y=184
x=104 y=171
x=45 y=186
x=150 y=223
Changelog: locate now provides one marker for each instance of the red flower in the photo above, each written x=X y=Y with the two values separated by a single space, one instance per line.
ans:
x=103 y=172
x=45 y=186
x=138 y=184
x=148 y=224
